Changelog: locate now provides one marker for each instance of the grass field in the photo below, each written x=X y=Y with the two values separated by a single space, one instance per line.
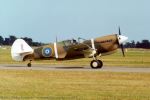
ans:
x=134 y=58
x=73 y=85
x=77 y=85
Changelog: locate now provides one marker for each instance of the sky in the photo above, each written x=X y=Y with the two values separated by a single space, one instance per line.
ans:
x=43 y=20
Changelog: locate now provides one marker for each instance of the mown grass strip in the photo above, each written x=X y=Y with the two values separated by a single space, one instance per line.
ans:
x=74 y=85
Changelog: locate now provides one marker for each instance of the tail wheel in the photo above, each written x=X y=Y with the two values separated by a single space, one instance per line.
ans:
x=29 y=64
x=96 y=64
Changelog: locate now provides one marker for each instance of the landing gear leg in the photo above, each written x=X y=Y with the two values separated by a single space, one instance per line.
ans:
x=29 y=64
x=95 y=64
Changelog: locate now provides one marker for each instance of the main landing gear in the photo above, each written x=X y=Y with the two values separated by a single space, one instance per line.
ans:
x=29 y=64
x=95 y=64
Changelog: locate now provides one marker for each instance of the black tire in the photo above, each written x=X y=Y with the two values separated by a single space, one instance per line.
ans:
x=101 y=63
x=95 y=64
x=29 y=64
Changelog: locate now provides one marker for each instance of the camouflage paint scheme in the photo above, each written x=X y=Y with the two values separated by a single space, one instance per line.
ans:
x=71 y=49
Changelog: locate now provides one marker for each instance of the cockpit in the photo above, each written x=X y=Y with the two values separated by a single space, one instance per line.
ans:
x=69 y=42
x=72 y=41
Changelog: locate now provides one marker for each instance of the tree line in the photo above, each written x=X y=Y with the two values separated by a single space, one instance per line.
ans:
x=9 y=41
x=139 y=44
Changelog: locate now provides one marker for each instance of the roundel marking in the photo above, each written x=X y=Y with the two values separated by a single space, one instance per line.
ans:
x=47 y=52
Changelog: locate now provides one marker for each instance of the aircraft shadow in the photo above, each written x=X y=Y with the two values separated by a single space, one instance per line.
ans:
x=14 y=66
x=68 y=67
x=49 y=67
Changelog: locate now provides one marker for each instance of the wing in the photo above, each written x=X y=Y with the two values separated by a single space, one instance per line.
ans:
x=84 y=49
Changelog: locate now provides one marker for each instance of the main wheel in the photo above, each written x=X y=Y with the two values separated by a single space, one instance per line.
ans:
x=29 y=64
x=96 y=64
x=101 y=63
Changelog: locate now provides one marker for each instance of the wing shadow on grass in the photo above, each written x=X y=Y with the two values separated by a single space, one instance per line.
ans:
x=44 y=66
x=68 y=67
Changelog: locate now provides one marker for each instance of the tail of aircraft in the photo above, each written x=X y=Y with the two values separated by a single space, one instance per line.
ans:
x=20 y=49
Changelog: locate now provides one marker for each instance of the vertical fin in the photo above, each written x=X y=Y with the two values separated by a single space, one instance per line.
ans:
x=20 y=49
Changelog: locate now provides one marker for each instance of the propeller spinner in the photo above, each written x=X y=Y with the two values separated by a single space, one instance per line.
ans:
x=121 y=40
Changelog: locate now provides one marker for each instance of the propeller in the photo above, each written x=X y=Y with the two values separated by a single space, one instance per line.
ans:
x=56 y=39
x=121 y=39
x=119 y=31
x=122 y=49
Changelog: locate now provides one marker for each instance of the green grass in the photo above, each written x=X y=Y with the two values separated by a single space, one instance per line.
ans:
x=134 y=58
x=74 y=85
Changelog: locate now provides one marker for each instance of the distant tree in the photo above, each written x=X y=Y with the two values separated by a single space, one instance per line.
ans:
x=128 y=45
x=133 y=45
x=28 y=40
x=7 y=41
x=37 y=44
x=145 y=44
x=1 y=40
x=12 y=39
x=138 y=44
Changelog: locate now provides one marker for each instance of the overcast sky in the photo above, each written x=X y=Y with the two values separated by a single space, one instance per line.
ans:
x=43 y=20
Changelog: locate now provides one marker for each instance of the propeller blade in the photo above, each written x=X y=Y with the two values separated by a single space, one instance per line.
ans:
x=119 y=31
x=121 y=45
x=122 y=49
x=56 y=39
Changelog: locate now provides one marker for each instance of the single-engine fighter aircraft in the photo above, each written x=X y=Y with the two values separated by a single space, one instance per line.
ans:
x=70 y=49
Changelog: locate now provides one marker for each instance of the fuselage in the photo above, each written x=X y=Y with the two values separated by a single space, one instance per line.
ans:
x=68 y=49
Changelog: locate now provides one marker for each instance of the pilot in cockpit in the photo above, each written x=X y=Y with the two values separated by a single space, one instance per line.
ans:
x=74 y=41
